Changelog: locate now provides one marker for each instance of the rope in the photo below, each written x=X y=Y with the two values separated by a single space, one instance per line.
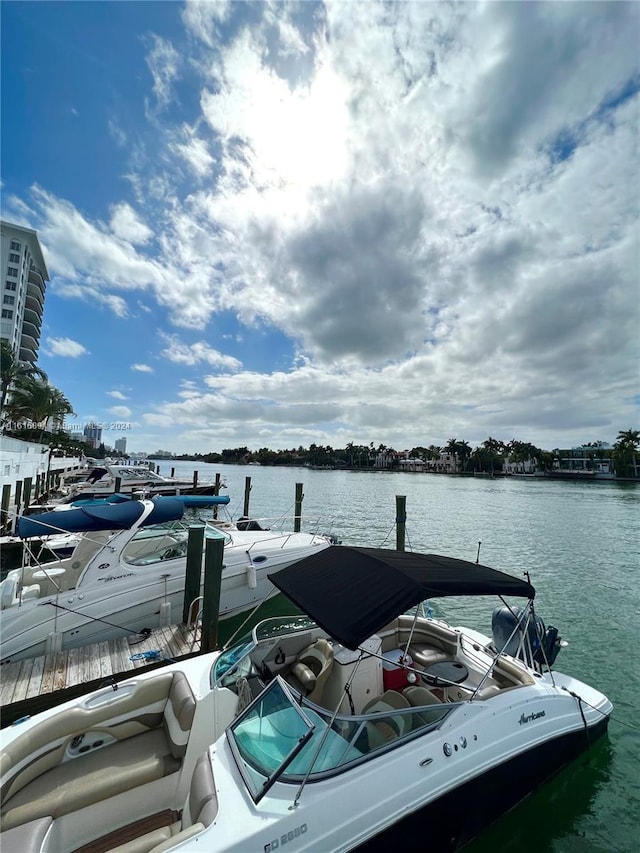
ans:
x=152 y=655
x=144 y=632
x=604 y=714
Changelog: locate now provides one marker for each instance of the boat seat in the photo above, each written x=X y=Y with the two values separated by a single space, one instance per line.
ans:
x=390 y=726
x=487 y=692
x=200 y=809
x=425 y=654
x=31 y=591
x=312 y=669
x=49 y=786
x=26 y=838
x=419 y=696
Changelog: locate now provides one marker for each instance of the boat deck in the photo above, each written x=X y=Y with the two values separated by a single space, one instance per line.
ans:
x=29 y=686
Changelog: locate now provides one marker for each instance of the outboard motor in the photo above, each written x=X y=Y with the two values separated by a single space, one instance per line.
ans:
x=544 y=642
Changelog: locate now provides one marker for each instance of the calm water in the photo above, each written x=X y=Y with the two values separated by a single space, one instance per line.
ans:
x=578 y=541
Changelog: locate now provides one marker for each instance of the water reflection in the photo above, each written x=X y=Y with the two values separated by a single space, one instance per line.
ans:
x=557 y=813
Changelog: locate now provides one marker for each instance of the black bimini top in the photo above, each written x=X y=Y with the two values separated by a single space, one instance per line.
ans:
x=353 y=592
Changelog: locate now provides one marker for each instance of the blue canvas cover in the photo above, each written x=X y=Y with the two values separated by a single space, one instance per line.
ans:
x=120 y=516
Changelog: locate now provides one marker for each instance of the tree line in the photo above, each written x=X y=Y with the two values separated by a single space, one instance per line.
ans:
x=489 y=457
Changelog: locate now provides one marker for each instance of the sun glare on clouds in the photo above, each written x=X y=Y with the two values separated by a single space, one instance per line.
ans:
x=434 y=203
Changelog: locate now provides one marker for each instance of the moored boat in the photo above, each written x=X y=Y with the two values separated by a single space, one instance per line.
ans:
x=326 y=731
x=127 y=573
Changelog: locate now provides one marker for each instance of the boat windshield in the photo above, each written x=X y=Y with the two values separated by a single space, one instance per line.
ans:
x=234 y=661
x=270 y=742
x=160 y=542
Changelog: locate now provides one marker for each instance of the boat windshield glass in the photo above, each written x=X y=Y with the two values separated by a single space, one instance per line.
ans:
x=263 y=737
x=159 y=542
x=233 y=662
x=268 y=736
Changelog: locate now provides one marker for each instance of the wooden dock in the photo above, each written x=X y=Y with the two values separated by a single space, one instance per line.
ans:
x=30 y=686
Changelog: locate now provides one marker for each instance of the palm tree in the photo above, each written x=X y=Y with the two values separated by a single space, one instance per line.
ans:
x=36 y=401
x=13 y=370
x=624 y=453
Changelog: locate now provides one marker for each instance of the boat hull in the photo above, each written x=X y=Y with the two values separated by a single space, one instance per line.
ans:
x=460 y=815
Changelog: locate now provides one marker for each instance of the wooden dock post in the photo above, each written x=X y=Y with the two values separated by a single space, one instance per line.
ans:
x=6 y=499
x=195 y=480
x=193 y=571
x=173 y=472
x=216 y=491
x=118 y=484
x=247 y=492
x=213 y=557
x=401 y=520
x=27 y=493
x=18 y=496
x=297 y=518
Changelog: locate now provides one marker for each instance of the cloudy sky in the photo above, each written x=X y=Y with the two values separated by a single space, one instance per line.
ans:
x=275 y=224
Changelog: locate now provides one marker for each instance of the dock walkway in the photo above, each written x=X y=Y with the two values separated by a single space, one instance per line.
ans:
x=29 y=686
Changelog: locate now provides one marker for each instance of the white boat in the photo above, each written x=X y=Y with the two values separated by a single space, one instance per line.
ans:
x=328 y=734
x=127 y=574
x=103 y=479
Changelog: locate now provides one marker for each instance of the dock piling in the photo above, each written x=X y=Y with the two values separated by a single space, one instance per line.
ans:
x=247 y=492
x=213 y=563
x=401 y=520
x=297 y=518
x=193 y=571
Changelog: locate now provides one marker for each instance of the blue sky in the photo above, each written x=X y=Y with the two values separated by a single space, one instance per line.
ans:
x=272 y=224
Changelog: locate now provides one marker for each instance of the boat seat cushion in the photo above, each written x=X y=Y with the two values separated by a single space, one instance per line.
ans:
x=419 y=696
x=26 y=838
x=178 y=714
x=91 y=778
x=391 y=725
x=426 y=654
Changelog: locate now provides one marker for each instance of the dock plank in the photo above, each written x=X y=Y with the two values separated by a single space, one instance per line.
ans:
x=48 y=674
x=106 y=665
x=22 y=682
x=10 y=673
x=73 y=667
x=25 y=681
x=60 y=672
x=35 y=679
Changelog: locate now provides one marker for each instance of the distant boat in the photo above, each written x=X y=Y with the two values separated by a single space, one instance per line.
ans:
x=103 y=480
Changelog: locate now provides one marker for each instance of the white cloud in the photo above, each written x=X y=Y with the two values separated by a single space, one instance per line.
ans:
x=66 y=347
x=435 y=203
x=163 y=61
x=118 y=395
x=126 y=224
x=142 y=368
x=194 y=150
x=88 y=294
x=192 y=354
x=120 y=411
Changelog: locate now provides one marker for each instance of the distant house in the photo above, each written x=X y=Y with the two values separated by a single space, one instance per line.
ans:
x=445 y=463
x=588 y=458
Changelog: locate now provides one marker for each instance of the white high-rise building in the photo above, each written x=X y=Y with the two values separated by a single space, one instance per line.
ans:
x=121 y=445
x=22 y=290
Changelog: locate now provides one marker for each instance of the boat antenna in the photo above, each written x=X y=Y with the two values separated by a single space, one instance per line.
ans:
x=478 y=554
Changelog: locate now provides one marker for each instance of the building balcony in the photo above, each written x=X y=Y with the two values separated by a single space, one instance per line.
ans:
x=32 y=316
x=30 y=330
x=35 y=293
x=27 y=352
x=35 y=278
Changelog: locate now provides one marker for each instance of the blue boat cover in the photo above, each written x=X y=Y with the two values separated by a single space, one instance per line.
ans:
x=84 y=519
x=118 y=498
x=203 y=500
